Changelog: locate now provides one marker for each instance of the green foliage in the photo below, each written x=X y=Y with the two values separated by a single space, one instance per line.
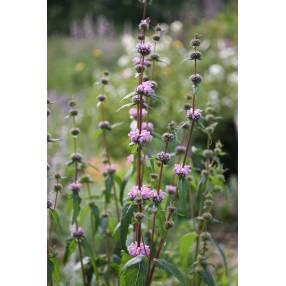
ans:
x=185 y=245
x=126 y=218
x=171 y=269
x=134 y=272
x=70 y=248
x=76 y=206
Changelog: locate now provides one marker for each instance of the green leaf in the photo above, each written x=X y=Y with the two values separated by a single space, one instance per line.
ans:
x=55 y=220
x=108 y=186
x=127 y=214
x=171 y=269
x=134 y=272
x=128 y=95
x=207 y=276
x=70 y=248
x=76 y=206
x=124 y=183
x=50 y=271
x=125 y=106
x=216 y=244
x=88 y=251
x=186 y=242
x=183 y=205
x=94 y=217
x=161 y=220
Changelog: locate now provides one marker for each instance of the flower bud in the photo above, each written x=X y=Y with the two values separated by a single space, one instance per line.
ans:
x=78 y=233
x=196 y=78
x=154 y=176
x=196 y=41
x=169 y=223
x=144 y=24
x=210 y=118
x=156 y=37
x=207 y=216
x=104 y=81
x=49 y=204
x=75 y=131
x=104 y=125
x=72 y=103
x=158 y=28
x=180 y=150
x=139 y=216
x=205 y=236
x=140 y=37
x=187 y=106
x=186 y=125
x=57 y=176
x=101 y=98
x=76 y=157
x=195 y=55
x=106 y=73
x=154 y=57
x=171 y=209
x=140 y=68
x=208 y=153
x=48 y=112
x=58 y=187
x=168 y=137
x=73 y=112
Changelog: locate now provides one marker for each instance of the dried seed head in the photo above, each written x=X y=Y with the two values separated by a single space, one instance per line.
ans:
x=172 y=125
x=208 y=153
x=75 y=131
x=104 y=125
x=168 y=137
x=196 y=78
x=205 y=236
x=49 y=204
x=154 y=176
x=72 y=103
x=207 y=216
x=139 y=216
x=195 y=56
x=57 y=176
x=73 y=112
x=169 y=223
x=171 y=209
x=76 y=157
x=180 y=150
x=48 y=112
x=106 y=73
x=187 y=106
x=101 y=98
x=154 y=57
x=186 y=125
x=196 y=41
x=156 y=37
x=104 y=81
x=58 y=187
x=140 y=68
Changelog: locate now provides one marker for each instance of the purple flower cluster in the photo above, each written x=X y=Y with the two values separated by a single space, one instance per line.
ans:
x=133 y=112
x=170 y=189
x=145 y=88
x=194 y=114
x=148 y=126
x=157 y=197
x=110 y=169
x=182 y=171
x=140 y=138
x=163 y=157
x=75 y=186
x=137 y=61
x=144 y=48
x=134 y=249
x=144 y=192
x=76 y=232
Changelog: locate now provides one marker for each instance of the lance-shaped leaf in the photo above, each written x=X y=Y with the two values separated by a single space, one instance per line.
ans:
x=186 y=242
x=216 y=244
x=54 y=217
x=125 y=106
x=125 y=221
x=134 y=272
x=207 y=276
x=76 y=205
x=94 y=217
x=70 y=248
x=171 y=269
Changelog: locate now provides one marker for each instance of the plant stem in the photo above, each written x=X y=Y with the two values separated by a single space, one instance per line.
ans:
x=81 y=262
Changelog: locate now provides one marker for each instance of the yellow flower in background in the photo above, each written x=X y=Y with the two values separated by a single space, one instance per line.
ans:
x=177 y=44
x=97 y=53
x=80 y=66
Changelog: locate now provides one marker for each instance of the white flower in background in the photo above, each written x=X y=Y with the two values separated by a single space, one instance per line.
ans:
x=227 y=102
x=165 y=43
x=205 y=44
x=213 y=96
x=176 y=26
x=127 y=73
x=128 y=42
x=215 y=73
x=123 y=61
x=164 y=27
x=225 y=51
x=232 y=78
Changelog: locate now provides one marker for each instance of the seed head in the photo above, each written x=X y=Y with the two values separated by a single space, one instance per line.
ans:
x=168 y=137
x=76 y=157
x=58 y=187
x=75 y=131
x=104 y=125
x=73 y=112
x=195 y=56
x=196 y=78
x=101 y=98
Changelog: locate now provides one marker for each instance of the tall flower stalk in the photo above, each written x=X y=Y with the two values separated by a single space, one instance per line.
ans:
x=76 y=159
x=104 y=125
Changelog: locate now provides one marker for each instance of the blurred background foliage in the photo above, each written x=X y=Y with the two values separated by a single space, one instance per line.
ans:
x=85 y=38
